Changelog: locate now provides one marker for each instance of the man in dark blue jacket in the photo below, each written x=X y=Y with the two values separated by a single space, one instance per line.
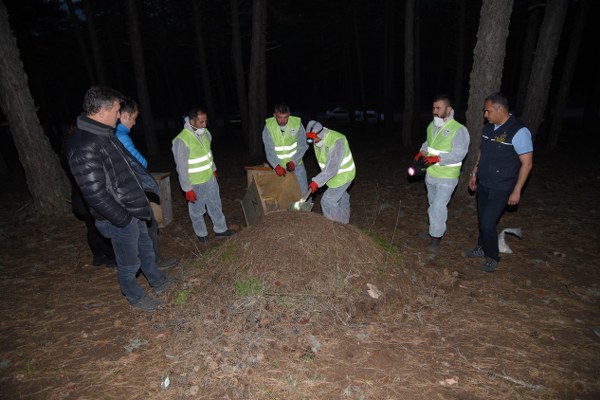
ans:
x=113 y=185
x=503 y=164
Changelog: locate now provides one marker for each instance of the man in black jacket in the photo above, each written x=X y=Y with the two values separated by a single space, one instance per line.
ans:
x=112 y=183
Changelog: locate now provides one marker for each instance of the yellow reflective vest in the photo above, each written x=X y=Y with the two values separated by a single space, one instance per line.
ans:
x=347 y=170
x=442 y=144
x=200 y=160
x=285 y=145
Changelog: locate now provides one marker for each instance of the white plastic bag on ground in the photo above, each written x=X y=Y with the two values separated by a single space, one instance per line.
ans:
x=502 y=245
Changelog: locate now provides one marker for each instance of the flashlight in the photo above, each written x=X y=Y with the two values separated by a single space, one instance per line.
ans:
x=417 y=167
x=310 y=137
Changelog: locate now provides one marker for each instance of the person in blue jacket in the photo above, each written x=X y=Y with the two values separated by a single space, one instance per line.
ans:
x=127 y=118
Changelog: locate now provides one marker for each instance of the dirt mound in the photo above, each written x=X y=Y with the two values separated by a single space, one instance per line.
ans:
x=303 y=254
x=280 y=290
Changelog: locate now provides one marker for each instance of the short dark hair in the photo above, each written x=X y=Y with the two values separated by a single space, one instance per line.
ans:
x=443 y=97
x=498 y=99
x=194 y=111
x=129 y=106
x=99 y=97
x=282 y=108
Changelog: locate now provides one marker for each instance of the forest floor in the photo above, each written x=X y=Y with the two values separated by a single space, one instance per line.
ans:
x=298 y=307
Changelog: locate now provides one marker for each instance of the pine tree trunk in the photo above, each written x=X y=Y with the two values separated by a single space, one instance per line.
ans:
x=358 y=58
x=567 y=74
x=204 y=74
x=238 y=64
x=140 y=80
x=388 y=65
x=458 y=103
x=3 y=166
x=96 y=52
x=257 y=77
x=486 y=75
x=46 y=180
x=541 y=70
x=534 y=19
x=408 y=121
x=75 y=22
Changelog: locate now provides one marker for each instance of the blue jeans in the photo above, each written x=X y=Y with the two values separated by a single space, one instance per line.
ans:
x=491 y=204
x=133 y=250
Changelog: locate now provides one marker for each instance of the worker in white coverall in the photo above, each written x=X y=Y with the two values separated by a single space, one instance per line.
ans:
x=198 y=175
x=337 y=170
x=446 y=146
x=284 y=139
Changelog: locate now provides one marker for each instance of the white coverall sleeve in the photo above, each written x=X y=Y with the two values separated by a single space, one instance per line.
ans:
x=272 y=158
x=181 y=154
x=460 y=147
x=214 y=166
x=336 y=155
x=302 y=145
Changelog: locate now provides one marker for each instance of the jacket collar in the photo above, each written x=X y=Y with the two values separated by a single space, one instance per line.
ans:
x=87 y=124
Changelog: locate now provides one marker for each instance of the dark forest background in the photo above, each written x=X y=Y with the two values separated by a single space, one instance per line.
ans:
x=314 y=55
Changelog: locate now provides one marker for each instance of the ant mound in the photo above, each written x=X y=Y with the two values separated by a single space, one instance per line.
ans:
x=302 y=255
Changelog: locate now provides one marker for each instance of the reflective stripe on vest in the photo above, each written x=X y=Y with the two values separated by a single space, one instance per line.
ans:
x=200 y=160
x=442 y=144
x=285 y=145
x=347 y=170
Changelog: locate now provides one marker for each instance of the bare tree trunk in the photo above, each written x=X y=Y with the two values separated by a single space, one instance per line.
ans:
x=238 y=64
x=536 y=10
x=96 y=52
x=257 y=86
x=4 y=172
x=359 y=70
x=567 y=75
x=204 y=74
x=417 y=68
x=46 y=180
x=172 y=85
x=460 y=57
x=222 y=91
x=486 y=76
x=388 y=65
x=408 y=121
x=75 y=22
x=591 y=110
x=541 y=70
x=140 y=80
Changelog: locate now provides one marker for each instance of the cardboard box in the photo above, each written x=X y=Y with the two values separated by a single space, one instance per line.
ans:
x=268 y=193
x=163 y=211
x=251 y=171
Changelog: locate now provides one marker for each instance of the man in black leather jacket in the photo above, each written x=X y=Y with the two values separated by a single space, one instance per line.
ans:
x=112 y=183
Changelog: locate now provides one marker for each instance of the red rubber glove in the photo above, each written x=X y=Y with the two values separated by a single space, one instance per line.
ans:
x=313 y=186
x=419 y=156
x=432 y=160
x=279 y=170
x=190 y=196
x=290 y=166
x=215 y=174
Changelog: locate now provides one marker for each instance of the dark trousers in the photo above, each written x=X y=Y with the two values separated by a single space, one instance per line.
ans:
x=153 y=233
x=134 y=251
x=491 y=204
x=100 y=245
